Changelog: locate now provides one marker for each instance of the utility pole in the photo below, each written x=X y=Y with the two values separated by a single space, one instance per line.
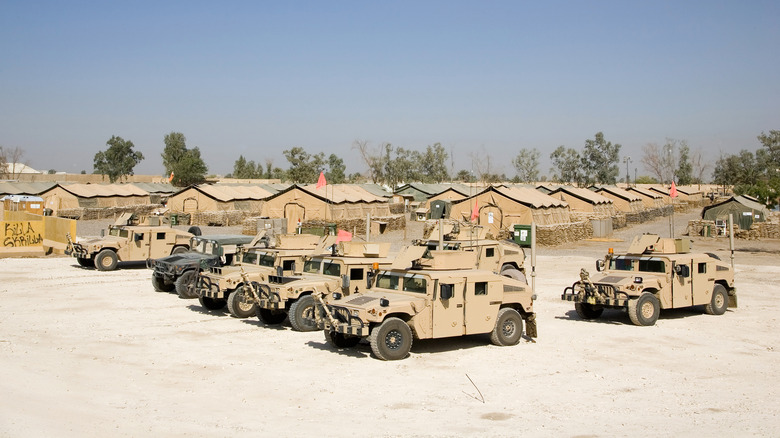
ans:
x=628 y=177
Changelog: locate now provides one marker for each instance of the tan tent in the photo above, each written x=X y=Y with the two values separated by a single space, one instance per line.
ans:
x=624 y=201
x=499 y=208
x=449 y=194
x=220 y=197
x=584 y=201
x=66 y=196
x=649 y=198
x=331 y=202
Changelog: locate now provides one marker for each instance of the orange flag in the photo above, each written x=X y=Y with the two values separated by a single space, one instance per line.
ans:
x=475 y=211
x=343 y=236
x=170 y=178
x=321 y=182
x=673 y=191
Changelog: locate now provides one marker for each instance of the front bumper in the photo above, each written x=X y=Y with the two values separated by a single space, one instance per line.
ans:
x=345 y=323
x=78 y=251
x=578 y=294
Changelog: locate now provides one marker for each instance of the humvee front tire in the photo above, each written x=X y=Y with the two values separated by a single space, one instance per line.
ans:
x=159 y=284
x=301 y=314
x=588 y=311
x=391 y=340
x=271 y=317
x=719 y=301
x=240 y=304
x=340 y=340
x=212 y=303
x=644 y=310
x=87 y=263
x=106 y=260
x=194 y=230
x=508 y=329
x=185 y=284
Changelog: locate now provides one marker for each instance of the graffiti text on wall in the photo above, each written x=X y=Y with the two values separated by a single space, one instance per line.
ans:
x=17 y=234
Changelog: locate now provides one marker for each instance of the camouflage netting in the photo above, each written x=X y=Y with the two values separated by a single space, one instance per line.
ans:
x=84 y=213
x=223 y=218
x=397 y=208
x=398 y=222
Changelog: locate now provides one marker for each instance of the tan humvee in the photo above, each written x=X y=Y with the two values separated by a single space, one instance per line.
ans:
x=280 y=255
x=439 y=297
x=350 y=270
x=127 y=242
x=655 y=273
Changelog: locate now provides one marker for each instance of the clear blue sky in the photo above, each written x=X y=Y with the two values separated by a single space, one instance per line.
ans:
x=481 y=77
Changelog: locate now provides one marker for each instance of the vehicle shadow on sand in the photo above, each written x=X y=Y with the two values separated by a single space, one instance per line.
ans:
x=256 y=322
x=620 y=317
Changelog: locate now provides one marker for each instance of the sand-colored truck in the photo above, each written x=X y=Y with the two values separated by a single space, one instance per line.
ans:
x=425 y=298
x=279 y=254
x=129 y=239
x=655 y=273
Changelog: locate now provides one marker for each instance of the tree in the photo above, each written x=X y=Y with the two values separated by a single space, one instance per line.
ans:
x=567 y=165
x=665 y=162
x=186 y=164
x=118 y=160
x=246 y=170
x=771 y=143
x=527 y=164
x=645 y=179
x=373 y=160
x=336 y=169
x=700 y=166
x=304 y=167
x=465 y=176
x=432 y=166
x=600 y=160
x=684 y=166
x=11 y=164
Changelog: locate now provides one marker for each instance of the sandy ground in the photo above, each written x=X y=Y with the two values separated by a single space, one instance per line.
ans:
x=87 y=353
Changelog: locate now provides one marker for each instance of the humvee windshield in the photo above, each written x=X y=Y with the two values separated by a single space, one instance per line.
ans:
x=331 y=268
x=121 y=232
x=641 y=265
x=312 y=266
x=204 y=246
x=412 y=283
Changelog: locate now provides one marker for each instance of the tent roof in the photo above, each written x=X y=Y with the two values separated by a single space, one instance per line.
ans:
x=584 y=194
x=375 y=189
x=620 y=193
x=339 y=193
x=24 y=188
x=234 y=192
x=688 y=190
x=526 y=196
x=155 y=187
x=747 y=203
x=103 y=190
x=435 y=189
x=645 y=192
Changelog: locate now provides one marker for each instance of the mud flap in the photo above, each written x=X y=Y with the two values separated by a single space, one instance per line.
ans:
x=530 y=325
x=733 y=298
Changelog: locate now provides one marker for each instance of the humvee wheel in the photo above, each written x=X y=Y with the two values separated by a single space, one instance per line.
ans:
x=186 y=283
x=391 y=340
x=719 y=301
x=514 y=273
x=588 y=311
x=179 y=250
x=194 y=230
x=508 y=329
x=159 y=284
x=212 y=303
x=106 y=260
x=644 y=310
x=270 y=317
x=87 y=263
x=302 y=314
x=240 y=303
x=340 y=340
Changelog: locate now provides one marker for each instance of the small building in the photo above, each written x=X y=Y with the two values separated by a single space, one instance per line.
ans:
x=745 y=211
x=30 y=204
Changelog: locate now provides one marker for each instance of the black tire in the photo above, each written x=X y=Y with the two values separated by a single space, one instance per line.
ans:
x=515 y=273
x=271 y=317
x=194 y=231
x=106 y=260
x=508 y=329
x=212 y=303
x=179 y=250
x=340 y=340
x=159 y=284
x=588 y=311
x=719 y=301
x=186 y=284
x=644 y=311
x=391 y=340
x=87 y=263
x=240 y=303
x=302 y=314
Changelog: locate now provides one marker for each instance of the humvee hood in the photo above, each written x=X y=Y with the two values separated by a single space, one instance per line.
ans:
x=371 y=299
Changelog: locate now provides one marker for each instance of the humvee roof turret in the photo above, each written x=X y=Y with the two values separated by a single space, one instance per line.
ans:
x=654 y=273
x=180 y=271
x=438 y=297
x=126 y=243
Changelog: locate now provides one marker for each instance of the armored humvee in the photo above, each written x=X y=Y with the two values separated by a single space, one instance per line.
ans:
x=438 y=297
x=129 y=240
x=180 y=271
x=350 y=269
x=655 y=273
x=280 y=254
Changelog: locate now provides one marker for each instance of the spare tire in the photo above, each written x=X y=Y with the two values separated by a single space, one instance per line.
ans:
x=194 y=230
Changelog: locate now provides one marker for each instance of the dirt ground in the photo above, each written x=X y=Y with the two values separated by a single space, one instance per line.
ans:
x=87 y=353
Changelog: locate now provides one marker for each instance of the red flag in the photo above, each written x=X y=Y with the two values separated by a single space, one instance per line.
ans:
x=673 y=191
x=475 y=211
x=343 y=236
x=170 y=178
x=321 y=182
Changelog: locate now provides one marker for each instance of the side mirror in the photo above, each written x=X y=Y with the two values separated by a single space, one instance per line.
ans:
x=279 y=271
x=682 y=270
x=447 y=291
x=345 y=281
x=138 y=237
x=369 y=279
x=102 y=233
x=599 y=265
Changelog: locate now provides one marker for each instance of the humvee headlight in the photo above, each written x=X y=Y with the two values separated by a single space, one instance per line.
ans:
x=384 y=302
x=336 y=295
x=638 y=280
x=533 y=297
x=355 y=313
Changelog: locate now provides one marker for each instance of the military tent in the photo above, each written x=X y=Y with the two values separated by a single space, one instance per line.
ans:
x=582 y=200
x=650 y=198
x=744 y=210
x=221 y=197
x=624 y=201
x=68 y=196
